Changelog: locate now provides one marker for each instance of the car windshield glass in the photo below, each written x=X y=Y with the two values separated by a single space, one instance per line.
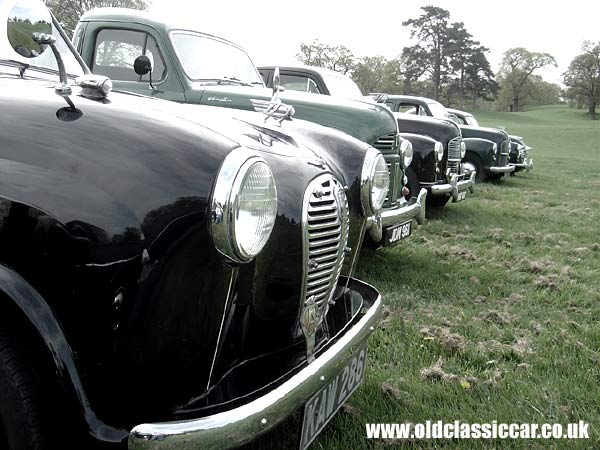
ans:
x=46 y=60
x=438 y=110
x=342 y=86
x=471 y=121
x=204 y=58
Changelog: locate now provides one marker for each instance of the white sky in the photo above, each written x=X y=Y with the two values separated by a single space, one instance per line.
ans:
x=271 y=31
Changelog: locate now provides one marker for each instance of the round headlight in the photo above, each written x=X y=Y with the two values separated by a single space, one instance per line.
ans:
x=374 y=182
x=463 y=150
x=406 y=152
x=438 y=149
x=244 y=206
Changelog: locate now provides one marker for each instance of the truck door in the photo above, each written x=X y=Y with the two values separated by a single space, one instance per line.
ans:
x=115 y=50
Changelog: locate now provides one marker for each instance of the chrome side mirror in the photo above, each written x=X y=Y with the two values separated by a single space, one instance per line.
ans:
x=26 y=19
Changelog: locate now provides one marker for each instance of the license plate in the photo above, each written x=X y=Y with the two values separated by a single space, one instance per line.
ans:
x=461 y=196
x=397 y=233
x=324 y=404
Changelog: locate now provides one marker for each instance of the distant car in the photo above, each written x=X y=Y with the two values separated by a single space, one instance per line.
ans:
x=519 y=151
x=144 y=54
x=487 y=149
x=437 y=144
x=171 y=276
x=316 y=80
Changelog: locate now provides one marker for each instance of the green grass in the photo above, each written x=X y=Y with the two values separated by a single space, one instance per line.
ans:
x=508 y=284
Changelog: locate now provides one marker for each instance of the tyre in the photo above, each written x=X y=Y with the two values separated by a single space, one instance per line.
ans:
x=20 y=412
x=474 y=162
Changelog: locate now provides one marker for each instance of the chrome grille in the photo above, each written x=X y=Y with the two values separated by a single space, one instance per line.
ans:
x=386 y=142
x=504 y=153
x=325 y=230
x=454 y=155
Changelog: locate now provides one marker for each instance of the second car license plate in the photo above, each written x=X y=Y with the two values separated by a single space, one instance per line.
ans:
x=461 y=196
x=397 y=233
x=324 y=404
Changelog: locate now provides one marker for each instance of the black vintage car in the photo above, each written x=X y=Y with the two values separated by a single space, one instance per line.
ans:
x=437 y=162
x=487 y=149
x=519 y=151
x=168 y=282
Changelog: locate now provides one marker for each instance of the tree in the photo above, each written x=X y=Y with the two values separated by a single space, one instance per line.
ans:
x=518 y=64
x=582 y=78
x=68 y=12
x=470 y=68
x=431 y=31
x=337 y=58
x=535 y=92
x=369 y=74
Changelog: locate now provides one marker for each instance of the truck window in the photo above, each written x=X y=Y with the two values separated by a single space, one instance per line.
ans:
x=116 y=50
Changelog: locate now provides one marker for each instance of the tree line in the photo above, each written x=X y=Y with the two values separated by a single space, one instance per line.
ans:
x=445 y=62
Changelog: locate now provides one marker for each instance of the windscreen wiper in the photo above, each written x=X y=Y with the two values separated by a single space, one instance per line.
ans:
x=232 y=80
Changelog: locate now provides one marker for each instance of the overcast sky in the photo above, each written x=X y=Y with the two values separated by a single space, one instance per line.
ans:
x=272 y=31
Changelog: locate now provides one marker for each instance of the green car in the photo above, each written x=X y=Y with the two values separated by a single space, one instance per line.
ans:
x=488 y=149
x=142 y=54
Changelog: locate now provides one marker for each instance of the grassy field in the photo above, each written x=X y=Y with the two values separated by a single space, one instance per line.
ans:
x=493 y=307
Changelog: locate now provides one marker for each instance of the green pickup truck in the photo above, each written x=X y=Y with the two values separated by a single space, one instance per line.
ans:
x=142 y=54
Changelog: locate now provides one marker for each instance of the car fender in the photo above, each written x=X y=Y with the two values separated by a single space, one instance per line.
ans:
x=42 y=319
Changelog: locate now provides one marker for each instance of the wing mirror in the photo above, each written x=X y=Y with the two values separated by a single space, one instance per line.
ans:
x=26 y=18
x=142 y=65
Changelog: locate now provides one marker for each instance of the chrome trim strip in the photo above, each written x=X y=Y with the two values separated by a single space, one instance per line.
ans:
x=228 y=299
x=230 y=429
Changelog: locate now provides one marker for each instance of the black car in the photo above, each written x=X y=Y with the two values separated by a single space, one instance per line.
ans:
x=169 y=282
x=519 y=151
x=437 y=162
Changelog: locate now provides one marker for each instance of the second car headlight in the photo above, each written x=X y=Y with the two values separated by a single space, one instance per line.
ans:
x=374 y=182
x=438 y=149
x=406 y=153
x=244 y=205
x=463 y=150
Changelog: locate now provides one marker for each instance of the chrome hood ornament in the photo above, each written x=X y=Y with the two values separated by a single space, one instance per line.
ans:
x=274 y=108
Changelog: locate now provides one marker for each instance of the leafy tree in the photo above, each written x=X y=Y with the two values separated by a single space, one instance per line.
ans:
x=337 y=58
x=518 y=64
x=431 y=31
x=535 y=92
x=68 y=12
x=470 y=69
x=582 y=78
x=369 y=74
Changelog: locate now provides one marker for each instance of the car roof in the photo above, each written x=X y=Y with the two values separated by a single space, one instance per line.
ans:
x=459 y=112
x=303 y=68
x=147 y=18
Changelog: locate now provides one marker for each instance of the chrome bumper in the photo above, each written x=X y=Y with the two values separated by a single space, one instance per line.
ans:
x=454 y=187
x=502 y=169
x=238 y=426
x=527 y=165
x=413 y=209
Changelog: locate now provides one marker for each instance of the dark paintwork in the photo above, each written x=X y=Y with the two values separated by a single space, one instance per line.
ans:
x=117 y=201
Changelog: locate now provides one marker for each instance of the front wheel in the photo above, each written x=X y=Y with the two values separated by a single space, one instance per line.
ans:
x=20 y=413
x=473 y=162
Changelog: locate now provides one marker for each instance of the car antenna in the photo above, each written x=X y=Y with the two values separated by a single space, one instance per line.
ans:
x=62 y=89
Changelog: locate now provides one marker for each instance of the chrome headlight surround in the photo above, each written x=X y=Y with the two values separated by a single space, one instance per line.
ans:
x=374 y=182
x=406 y=153
x=463 y=149
x=438 y=149
x=242 y=218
